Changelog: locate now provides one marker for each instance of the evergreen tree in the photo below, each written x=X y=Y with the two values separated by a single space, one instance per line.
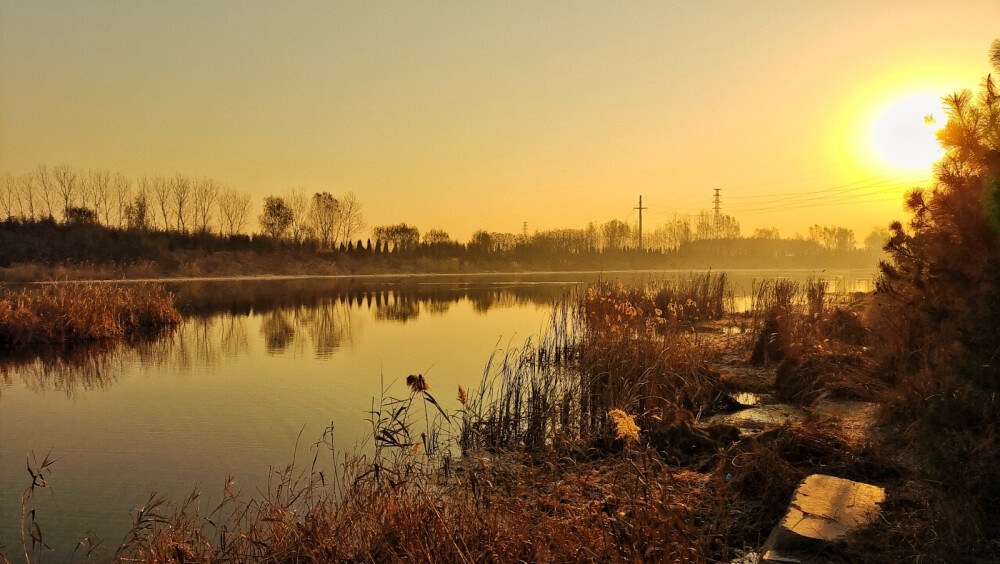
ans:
x=941 y=288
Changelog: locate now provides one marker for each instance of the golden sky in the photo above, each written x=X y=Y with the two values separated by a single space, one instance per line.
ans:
x=467 y=115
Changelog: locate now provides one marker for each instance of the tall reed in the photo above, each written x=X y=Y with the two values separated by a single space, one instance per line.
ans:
x=73 y=312
x=611 y=348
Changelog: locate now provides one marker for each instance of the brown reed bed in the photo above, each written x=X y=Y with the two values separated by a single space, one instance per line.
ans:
x=65 y=313
x=612 y=348
x=405 y=502
x=818 y=343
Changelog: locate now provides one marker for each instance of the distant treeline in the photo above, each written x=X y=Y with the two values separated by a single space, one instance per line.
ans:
x=166 y=225
x=50 y=243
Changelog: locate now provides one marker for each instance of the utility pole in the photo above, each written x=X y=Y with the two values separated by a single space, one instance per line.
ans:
x=640 y=208
x=717 y=206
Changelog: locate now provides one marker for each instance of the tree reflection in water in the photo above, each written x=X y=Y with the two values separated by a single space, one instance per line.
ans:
x=278 y=331
x=72 y=368
x=301 y=315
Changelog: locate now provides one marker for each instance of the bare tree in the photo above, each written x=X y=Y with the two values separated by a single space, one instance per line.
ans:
x=616 y=234
x=180 y=193
x=85 y=192
x=66 y=186
x=234 y=210
x=160 y=188
x=123 y=196
x=350 y=218
x=403 y=236
x=8 y=196
x=26 y=185
x=206 y=192
x=437 y=237
x=299 y=204
x=46 y=189
x=137 y=213
x=323 y=213
x=677 y=231
x=99 y=184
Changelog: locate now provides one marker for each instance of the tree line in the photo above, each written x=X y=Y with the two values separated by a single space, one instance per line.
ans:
x=203 y=215
x=173 y=204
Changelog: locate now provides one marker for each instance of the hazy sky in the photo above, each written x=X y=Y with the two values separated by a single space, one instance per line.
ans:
x=461 y=115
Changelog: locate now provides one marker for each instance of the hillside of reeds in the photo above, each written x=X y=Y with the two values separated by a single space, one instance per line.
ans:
x=64 y=313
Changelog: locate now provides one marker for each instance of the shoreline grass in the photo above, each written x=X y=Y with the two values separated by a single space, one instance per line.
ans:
x=82 y=312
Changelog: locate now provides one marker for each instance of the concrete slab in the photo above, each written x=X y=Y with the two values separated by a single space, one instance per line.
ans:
x=823 y=510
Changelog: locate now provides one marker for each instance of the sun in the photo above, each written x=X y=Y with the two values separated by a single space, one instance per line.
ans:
x=903 y=133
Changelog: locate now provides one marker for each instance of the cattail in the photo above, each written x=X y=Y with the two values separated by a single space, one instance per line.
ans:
x=462 y=397
x=417 y=383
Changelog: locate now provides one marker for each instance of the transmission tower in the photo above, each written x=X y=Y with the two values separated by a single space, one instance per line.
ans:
x=717 y=206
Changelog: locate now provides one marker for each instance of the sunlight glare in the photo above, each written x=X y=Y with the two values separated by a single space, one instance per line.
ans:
x=903 y=133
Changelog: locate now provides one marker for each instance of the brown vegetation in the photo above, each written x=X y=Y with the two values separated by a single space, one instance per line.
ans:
x=73 y=312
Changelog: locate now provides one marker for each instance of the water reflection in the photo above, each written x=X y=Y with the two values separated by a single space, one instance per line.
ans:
x=326 y=327
x=401 y=307
x=277 y=330
x=396 y=299
x=310 y=317
x=71 y=369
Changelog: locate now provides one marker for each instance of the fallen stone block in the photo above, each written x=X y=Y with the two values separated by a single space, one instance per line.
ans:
x=823 y=510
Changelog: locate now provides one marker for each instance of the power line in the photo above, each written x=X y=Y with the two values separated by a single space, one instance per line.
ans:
x=864 y=183
x=840 y=203
x=823 y=199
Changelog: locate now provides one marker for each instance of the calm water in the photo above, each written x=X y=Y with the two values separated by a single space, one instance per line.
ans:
x=257 y=367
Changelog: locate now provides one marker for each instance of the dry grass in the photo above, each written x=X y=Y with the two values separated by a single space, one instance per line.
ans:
x=73 y=312
x=406 y=502
x=818 y=341
x=630 y=508
x=403 y=504
x=613 y=348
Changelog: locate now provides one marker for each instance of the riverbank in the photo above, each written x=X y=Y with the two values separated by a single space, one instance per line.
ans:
x=649 y=435
x=639 y=427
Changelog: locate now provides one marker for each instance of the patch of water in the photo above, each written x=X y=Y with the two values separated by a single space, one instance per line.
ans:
x=762 y=417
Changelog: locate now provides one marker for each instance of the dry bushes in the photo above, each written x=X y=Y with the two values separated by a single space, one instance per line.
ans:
x=613 y=348
x=643 y=358
x=922 y=523
x=73 y=312
x=822 y=347
x=626 y=509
